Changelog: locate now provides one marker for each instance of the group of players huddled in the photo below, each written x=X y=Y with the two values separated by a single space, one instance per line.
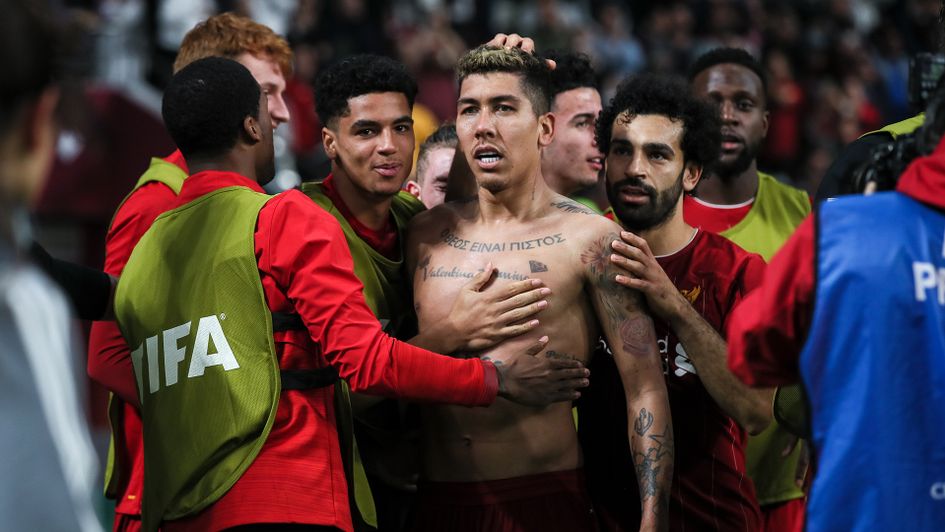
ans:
x=273 y=363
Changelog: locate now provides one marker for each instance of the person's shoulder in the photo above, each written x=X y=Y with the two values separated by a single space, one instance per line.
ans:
x=147 y=201
x=406 y=205
x=723 y=252
x=296 y=205
x=443 y=215
x=570 y=206
x=775 y=187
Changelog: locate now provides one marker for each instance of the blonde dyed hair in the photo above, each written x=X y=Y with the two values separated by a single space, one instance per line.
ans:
x=229 y=35
x=535 y=75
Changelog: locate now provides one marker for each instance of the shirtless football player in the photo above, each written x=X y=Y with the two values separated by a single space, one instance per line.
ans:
x=508 y=466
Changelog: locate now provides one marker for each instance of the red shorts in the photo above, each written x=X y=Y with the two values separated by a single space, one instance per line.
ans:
x=787 y=516
x=534 y=503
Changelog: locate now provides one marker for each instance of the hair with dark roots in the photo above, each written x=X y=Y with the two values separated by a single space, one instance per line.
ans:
x=650 y=94
x=736 y=56
x=535 y=75
x=573 y=71
x=444 y=137
x=205 y=104
x=228 y=35
x=356 y=76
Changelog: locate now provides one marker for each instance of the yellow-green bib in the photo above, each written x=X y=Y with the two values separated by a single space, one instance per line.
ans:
x=777 y=211
x=172 y=176
x=191 y=306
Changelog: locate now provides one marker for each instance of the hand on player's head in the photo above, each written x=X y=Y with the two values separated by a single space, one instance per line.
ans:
x=515 y=40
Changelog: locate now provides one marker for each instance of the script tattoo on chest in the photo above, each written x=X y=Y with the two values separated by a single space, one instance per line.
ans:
x=450 y=239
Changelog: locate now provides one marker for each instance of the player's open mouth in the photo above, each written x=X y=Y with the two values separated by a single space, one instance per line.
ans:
x=487 y=158
x=597 y=163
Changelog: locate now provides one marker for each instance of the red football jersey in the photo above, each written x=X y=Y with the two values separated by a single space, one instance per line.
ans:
x=710 y=488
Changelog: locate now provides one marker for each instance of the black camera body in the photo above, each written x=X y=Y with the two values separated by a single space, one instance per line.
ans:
x=925 y=70
x=887 y=161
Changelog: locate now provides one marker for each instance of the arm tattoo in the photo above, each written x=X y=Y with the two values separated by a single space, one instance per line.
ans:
x=649 y=463
x=613 y=296
x=636 y=333
x=643 y=422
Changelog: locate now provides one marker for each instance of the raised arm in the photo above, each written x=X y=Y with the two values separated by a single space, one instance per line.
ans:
x=629 y=332
x=750 y=407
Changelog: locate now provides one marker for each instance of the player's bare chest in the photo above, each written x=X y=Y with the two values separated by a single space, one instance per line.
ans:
x=457 y=256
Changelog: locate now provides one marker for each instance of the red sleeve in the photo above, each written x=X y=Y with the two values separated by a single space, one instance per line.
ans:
x=108 y=361
x=303 y=249
x=767 y=331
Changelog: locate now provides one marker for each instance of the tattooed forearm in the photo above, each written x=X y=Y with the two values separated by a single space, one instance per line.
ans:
x=475 y=246
x=572 y=206
x=653 y=458
x=614 y=298
x=643 y=422
x=637 y=335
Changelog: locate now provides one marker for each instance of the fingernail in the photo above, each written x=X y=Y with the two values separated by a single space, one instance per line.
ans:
x=537 y=282
x=587 y=372
x=543 y=339
x=620 y=278
x=542 y=304
x=534 y=323
x=544 y=291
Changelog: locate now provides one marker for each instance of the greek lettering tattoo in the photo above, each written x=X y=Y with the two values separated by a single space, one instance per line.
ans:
x=474 y=246
x=572 y=207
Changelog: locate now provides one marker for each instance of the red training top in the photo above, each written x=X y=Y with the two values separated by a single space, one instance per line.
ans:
x=298 y=475
x=710 y=488
x=712 y=217
x=109 y=363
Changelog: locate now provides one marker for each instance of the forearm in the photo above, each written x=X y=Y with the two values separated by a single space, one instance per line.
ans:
x=436 y=338
x=749 y=407
x=109 y=361
x=652 y=447
x=397 y=368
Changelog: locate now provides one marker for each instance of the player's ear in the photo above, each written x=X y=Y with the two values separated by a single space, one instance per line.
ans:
x=692 y=173
x=546 y=129
x=329 y=143
x=413 y=187
x=252 y=130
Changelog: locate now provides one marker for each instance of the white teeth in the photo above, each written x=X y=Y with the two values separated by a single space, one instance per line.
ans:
x=489 y=159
